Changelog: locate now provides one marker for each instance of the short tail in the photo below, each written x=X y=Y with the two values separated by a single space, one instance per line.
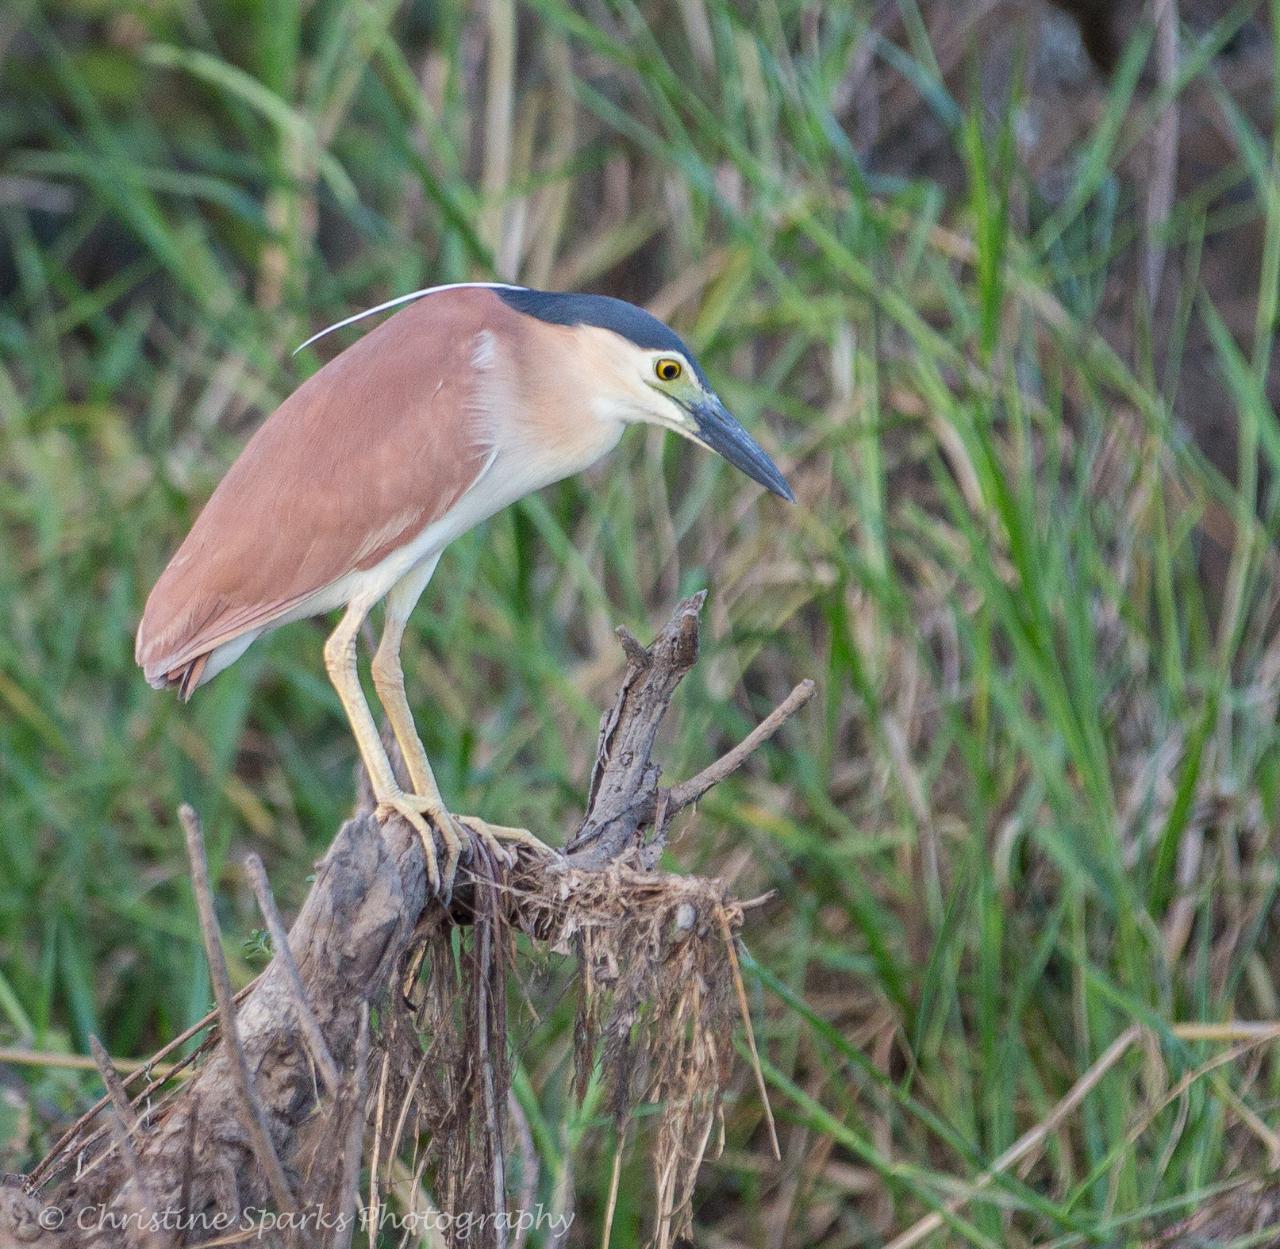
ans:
x=185 y=677
x=189 y=676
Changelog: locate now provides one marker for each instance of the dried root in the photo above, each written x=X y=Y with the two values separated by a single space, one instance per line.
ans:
x=656 y=1013
x=655 y=1010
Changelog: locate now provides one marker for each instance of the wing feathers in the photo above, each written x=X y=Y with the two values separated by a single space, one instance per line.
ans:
x=360 y=459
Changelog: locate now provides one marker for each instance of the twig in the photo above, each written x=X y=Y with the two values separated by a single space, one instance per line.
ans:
x=745 y=1010
x=124 y=1124
x=77 y=1062
x=349 y=1194
x=485 y=957
x=406 y=1104
x=60 y=1150
x=375 y=1193
x=680 y=796
x=307 y=1022
x=87 y=1145
x=635 y=650
x=115 y=1087
x=614 y=1178
x=139 y=1196
x=255 y=1119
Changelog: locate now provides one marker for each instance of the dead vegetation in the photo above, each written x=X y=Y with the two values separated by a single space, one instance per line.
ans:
x=344 y=1060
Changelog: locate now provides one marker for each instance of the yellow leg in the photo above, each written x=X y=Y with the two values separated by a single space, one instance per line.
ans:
x=388 y=680
x=340 y=661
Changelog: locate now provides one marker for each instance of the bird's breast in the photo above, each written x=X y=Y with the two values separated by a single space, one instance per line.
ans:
x=540 y=430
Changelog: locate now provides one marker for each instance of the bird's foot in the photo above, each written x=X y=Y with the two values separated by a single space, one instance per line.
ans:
x=427 y=817
x=493 y=835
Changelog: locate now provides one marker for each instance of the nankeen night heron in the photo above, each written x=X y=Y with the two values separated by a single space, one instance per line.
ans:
x=461 y=403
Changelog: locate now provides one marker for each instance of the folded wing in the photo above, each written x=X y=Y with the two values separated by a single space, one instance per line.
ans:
x=363 y=456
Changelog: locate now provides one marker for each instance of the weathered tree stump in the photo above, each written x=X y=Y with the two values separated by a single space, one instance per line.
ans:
x=292 y=1089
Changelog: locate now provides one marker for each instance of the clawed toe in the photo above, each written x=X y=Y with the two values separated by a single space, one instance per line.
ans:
x=409 y=808
x=493 y=835
x=428 y=818
x=480 y=835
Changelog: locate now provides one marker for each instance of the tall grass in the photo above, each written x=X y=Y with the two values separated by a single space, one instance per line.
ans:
x=1035 y=804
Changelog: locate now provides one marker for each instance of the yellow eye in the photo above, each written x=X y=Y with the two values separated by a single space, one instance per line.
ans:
x=667 y=369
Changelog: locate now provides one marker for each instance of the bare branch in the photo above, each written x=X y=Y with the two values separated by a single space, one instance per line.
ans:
x=358 y=1092
x=680 y=796
x=138 y=1192
x=66 y=1146
x=280 y=946
x=624 y=781
x=255 y=1119
x=115 y=1087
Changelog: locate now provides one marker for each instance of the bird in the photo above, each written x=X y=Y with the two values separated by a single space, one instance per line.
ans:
x=468 y=397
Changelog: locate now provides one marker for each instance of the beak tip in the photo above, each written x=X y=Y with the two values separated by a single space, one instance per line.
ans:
x=718 y=431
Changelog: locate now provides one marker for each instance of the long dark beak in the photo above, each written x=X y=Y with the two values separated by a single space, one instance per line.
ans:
x=718 y=430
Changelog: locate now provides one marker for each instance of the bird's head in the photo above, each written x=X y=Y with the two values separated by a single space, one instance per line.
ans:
x=678 y=397
x=641 y=372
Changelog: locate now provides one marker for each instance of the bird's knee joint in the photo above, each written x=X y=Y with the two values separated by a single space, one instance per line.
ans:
x=386 y=672
x=339 y=651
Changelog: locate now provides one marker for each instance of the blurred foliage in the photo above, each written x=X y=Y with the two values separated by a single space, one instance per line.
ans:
x=1036 y=801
